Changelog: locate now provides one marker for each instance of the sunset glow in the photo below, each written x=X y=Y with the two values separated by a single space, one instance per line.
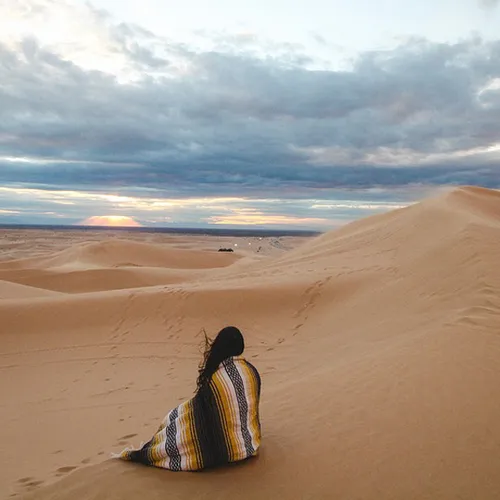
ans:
x=111 y=221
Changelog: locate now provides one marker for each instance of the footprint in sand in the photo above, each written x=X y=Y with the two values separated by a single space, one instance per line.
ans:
x=24 y=480
x=66 y=469
x=128 y=436
x=29 y=482
x=297 y=328
x=86 y=461
x=124 y=440
x=34 y=484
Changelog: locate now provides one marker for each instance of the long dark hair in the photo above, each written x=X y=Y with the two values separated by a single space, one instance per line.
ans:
x=229 y=342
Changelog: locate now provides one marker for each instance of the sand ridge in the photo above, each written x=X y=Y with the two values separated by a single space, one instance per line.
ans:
x=377 y=344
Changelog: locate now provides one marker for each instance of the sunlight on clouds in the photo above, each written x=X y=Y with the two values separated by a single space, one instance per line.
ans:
x=358 y=205
x=58 y=161
x=53 y=214
x=254 y=217
x=22 y=159
x=492 y=85
x=119 y=201
x=74 y=31
x=95 y=40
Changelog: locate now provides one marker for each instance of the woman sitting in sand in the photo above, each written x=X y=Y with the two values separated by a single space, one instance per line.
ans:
x=220 y=424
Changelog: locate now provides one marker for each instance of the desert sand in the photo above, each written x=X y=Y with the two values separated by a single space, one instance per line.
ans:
x=378 y=345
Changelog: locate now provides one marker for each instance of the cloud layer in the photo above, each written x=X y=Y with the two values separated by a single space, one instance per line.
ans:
x=139 y=115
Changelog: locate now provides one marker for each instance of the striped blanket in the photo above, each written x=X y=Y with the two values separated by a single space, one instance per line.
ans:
x=219 y=425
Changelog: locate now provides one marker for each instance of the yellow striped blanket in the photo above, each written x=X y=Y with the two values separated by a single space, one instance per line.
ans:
x=220 y=424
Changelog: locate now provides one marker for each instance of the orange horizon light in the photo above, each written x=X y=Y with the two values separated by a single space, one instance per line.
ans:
x=111 y=221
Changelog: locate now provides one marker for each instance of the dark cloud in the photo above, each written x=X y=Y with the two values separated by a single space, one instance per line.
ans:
x=233 y=122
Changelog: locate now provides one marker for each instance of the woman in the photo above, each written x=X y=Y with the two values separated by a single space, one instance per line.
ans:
x=220 y=424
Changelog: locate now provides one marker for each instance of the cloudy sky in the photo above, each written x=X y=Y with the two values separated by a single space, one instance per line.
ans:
x=303 y=114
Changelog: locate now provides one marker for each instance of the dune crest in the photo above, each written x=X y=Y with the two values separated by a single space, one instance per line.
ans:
x=10 y=290
x=377 y=344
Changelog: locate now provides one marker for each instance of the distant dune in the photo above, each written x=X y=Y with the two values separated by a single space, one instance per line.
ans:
x=377 y=343
x=123 y=253
x=111 y=265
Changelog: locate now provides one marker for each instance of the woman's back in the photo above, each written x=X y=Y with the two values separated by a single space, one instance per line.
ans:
x=235 y=387
x=220 y=424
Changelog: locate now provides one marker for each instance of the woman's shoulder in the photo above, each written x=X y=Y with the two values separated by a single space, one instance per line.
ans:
x=235 y=368
x=241 y=360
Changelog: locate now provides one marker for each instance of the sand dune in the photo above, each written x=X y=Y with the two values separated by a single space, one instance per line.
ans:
x=122 y=253
x=112 y=265
x=377 y=343
x=96 y=280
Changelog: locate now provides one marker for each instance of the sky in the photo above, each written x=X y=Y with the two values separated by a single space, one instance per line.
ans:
x=305 y=114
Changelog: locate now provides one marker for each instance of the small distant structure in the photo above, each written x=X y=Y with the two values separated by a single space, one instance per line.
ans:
x=226 y=250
